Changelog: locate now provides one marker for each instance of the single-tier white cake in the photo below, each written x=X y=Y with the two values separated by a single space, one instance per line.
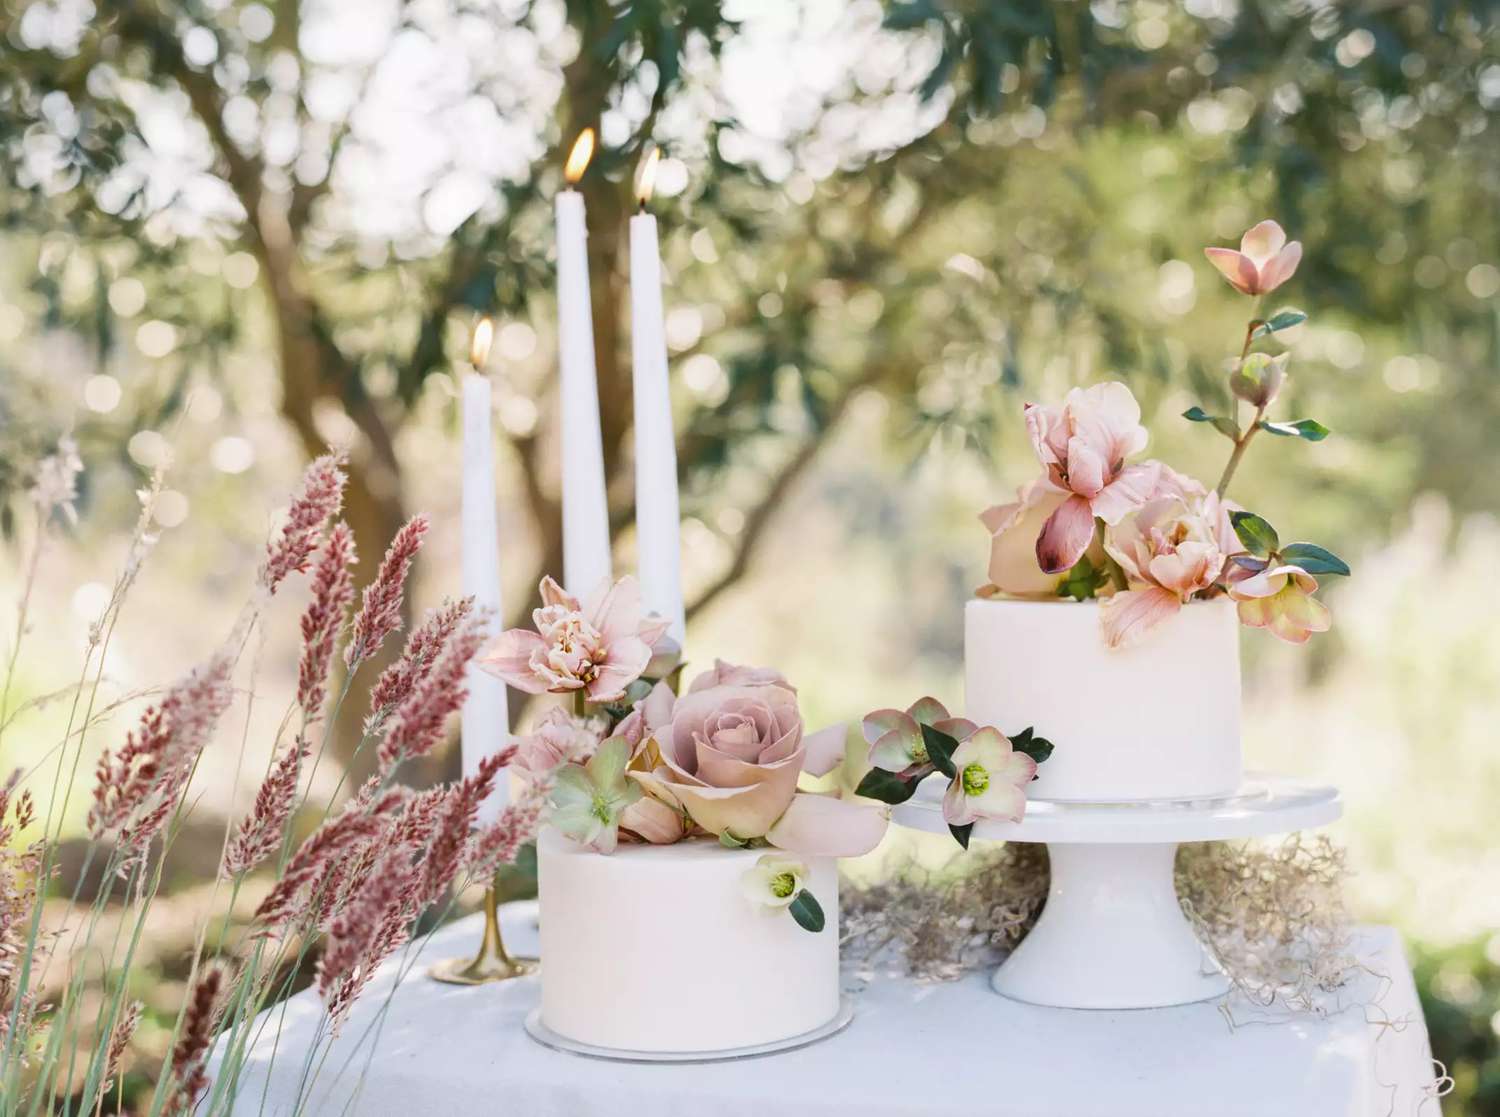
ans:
x=658 y=949
x=1160 y=720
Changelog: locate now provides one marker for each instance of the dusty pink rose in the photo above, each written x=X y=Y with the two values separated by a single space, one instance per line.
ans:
x=558 y=738
x=600 y=647
x=1281 y=599
x=1264 y=262
x=1083 y=446
x=728 y=755
x=1170 y=548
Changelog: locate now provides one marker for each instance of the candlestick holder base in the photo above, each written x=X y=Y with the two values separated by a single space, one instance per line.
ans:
x=493 y=962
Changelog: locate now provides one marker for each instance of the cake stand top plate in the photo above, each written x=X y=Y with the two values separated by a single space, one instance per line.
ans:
x=1264 y=804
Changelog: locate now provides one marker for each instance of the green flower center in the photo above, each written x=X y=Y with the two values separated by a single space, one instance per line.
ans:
x=783 y=885
x=602 y=809
x=976 y=780
x=919 y=752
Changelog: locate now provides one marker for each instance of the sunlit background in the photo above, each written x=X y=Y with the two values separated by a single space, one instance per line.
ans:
x=235 y=232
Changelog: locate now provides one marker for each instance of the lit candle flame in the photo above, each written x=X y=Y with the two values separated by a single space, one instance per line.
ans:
x=578 y=158
x=645 y=176
x=479 y=343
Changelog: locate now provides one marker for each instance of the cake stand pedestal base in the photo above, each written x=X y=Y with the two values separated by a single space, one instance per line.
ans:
x=1113 y=934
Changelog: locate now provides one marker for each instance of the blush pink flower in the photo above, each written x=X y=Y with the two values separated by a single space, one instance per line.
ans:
x=599 y=647
x=989 y=781
x=1170 y=548
x=1280 y=598
x=558 y=738
x=895 y=736
x=1083 y=446
x=728 y=756
x=1014 y=529
x=1264 y=262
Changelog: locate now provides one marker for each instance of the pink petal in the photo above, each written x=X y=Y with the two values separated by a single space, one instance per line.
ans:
x=1237 y=268
x=1128 y=617
x=925 y=711
x=509 y=658
x=1001 y=800
x=1262 y=241
x=1019 y=769
x=960 y=729
x=1039 y=423
x=824 y=750
x=554 y=594
x=653 y=820
x=1279 y=269
x=1065 y=536
x=958 y=808
x=878 y=723
x=618 y=612
x=892 y=753
x=627 y=659
x=826 y=826
x=1085 y=467
x=1132 y=488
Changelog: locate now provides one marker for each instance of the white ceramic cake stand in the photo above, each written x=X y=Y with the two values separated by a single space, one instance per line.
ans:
x=1112 y=934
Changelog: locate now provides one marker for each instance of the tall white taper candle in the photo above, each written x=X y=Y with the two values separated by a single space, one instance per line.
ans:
x=657 y=517
x=485 y=719
x=586 y=559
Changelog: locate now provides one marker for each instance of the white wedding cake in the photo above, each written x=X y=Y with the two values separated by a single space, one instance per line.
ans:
x=656 y=948
x=1160 y=720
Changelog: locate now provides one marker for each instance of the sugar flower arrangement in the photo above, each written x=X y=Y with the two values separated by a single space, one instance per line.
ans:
x=1139 y=536
x=640 y=759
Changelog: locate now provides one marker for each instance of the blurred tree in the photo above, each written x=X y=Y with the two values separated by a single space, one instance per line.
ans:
x=951 y=213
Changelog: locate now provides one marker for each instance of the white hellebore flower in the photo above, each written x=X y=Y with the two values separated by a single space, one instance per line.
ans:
x=774 y=881
x=989 y=780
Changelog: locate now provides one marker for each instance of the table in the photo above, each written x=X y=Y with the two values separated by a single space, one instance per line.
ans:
x=914 y=1050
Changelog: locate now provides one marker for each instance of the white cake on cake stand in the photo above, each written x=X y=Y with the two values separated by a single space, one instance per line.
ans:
x=1113 y=934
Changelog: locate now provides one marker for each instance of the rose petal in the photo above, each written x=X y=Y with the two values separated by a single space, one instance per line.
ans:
x=826 y=826
x=1128 y=617
x=823 y=751
x=745 y=812
x=653 y=820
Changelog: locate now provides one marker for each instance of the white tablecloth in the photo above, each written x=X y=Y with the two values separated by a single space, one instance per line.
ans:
x=913 y=1050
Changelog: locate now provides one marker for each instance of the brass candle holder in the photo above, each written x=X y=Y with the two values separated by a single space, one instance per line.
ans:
x=493 y=962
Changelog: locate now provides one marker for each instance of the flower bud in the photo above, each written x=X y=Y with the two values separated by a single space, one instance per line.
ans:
x=1259 y=378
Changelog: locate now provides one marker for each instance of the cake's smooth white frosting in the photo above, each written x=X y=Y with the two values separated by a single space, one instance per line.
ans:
x=1157 y=721
x=656 y=948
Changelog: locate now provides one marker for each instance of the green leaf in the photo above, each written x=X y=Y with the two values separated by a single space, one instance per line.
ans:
x=1283 y=319
x=961 y=833
x=1083 y=581
x=1038 y=748
x=1314 y=559
x=1225 y=426
x=1310 y=429
x=807 y=912
x=887 y=787
x=940 y=748
x=729 y=841
x=1258 y=536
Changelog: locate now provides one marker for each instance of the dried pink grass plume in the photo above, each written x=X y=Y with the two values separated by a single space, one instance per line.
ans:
x=321 y=497
x=422 y=648
x=376 y=922
x=332 y=592
x=20 y=872
x=189 y=1062
x=363 y=818
x=380 y=612
x=498 y=843
x=417 y=725
x=451 y=829
x=119 y=1043
x=262 y=831
x=136 y=789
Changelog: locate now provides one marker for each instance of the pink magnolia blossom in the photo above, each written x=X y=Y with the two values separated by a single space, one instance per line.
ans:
x=1170 y=548
x=1264 y=262
x=1083 y=446
x=1280 y=598
x=599 y=647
